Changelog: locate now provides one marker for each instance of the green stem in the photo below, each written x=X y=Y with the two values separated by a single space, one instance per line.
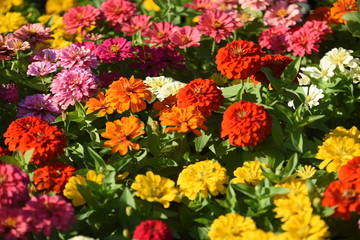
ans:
x=213 y=48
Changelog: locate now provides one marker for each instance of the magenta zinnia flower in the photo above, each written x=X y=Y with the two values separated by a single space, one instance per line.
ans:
x=159 y=33
x=283 y=14
x=75 y=56
x=47 y=212
x=216 y=24
x=13 y=186
x=255 y=5
x=134 y=24
x=152 y=230
x=9 y=92
x=41 y=68
x=303 y=41
x=81 y=17
x=75 y=84
x=39 y=105
x=106 y=78
x=114 y=49
x=34 y=33
x=184 y=37
x=13 y=223
x=118 y=11
x=274 y=38
x=149 y=60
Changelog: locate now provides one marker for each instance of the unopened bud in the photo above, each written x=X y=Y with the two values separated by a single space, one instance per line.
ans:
x=128 y=211
x=126 y=233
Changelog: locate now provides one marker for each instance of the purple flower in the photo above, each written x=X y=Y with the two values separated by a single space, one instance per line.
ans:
x=76 y=56
x=46 y=55
x=39 y=105
x=41 y=68
x=114 y=49
x=9 y=92
x=74 y=84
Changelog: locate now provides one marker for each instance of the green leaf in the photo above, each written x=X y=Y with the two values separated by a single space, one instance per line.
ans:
x=278 y=191
x=354 y=28
x=297 y=140
x=201 y=141
x=245 y=189
x=127 y=199
x=100 y=165
x=232 y=91
x=351 y=16
x=276 y=83
x=11 y=160
x=291 y=165
x=277 y=132
x=291 y=71
x=27 y=155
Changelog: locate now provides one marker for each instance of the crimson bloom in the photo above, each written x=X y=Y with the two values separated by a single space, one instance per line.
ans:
x=152 y=230
x=114 y=49
x=82 y=17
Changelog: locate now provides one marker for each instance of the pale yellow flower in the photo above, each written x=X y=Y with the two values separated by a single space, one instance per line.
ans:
x=154 y=188
x=11 y=21
x=250 y=173
x=306 y=172
x=296 y=187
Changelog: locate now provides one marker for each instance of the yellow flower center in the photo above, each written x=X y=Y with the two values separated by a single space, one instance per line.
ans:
x=216 y=23
x=241 y=114
x=10 y=222
x=282 y=13
x=185 y=39
x=236 y=51
x=115 y=48
x=3 y=177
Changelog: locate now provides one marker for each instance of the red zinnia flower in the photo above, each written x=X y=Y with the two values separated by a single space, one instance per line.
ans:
x=52 y=177
x=246 y=124
x=239 y=59
x=202 y=94
x=4 y=152
x=350 y=172
x=152 y=230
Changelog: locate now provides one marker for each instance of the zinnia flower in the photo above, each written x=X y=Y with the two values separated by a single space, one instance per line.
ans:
x=255 y=5
x=274 y=38
x=306 y=172
x=41 y=68
x=350 y=172
x=74 y=56
x=230 y=226
x=118 y=12
x=183 y=120
x=71 y=190
x=82 y=17
x=340 y=8
x=291 y=205
x=203 y=94
x=216 y=24
x=9 y=92
x=48 y=212
x=239 y=59
x=282 y=13
x=155 y=83
x=35 y=34
x=13 y=186
x=17 y=44
x=250 y=173
x=52 y=176
x=152 y=230
x=159 y=33
x=246 y=124
x=99 y=104
x=205 y=177
x=135 y=23
x=114 y=49
x=184 y=37
x=303 y=41
x=340 y=58
x=11 y=21
x=154 y=188
x=120 y=132
x=13 y=224
x=126 y=94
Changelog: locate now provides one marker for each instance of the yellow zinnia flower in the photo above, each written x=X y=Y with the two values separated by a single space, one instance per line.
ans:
x=5 y=5
x=154 y=188
x=306 y=171
x=292 y=205
x=150 y=5
x=71 y=191
x=249 y=173
x=296 y=187
x=58 y=6
x=11 y=22
x=231 y=226
x=259 y=234
x=202 y=177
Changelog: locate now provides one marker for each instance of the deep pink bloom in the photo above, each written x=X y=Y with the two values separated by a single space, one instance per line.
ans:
x=34 y=33
x=9 y=92
x=216 y=24
x=39 y=105
x=74 y=84
x=41 y=68
x=202 y=5
x=255 y=5
x=303 y=41
x=46 y=55
x=114 y=49
x=135 y=23
x=118 y=11
x=13 y=223
x=13 y=186
x=150 y=60
x=274 y=38
x=159 y=33
x=184 y=37
x=47 y=212
x=87 y=45
x=282 y=14
x=171 y=58
x=319 y=27
x=152 y=230
x=106 y=78
x=81 y=17
x=75 y=56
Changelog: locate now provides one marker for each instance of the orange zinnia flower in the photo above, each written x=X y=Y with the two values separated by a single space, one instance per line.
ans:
x=120 y=132
x=165 y=105
x=202 y=94
x=239 y=59
x=99 y=103
x=321 y=14
x=183 y=120
x=341 y=7
x=125 y=94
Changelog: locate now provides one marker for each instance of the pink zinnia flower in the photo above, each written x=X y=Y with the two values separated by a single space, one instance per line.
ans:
x=75 y=84
x=75 y=56
x=171 y=58
x=216 y=24
x=319 y=27
x=303 y=41
x=135 y=23
x=41 y=68
x=184 y=37
x=35 y=34
x=39 y=105
x=159 y=33
x=149 y=60
x=17 y=44
x=13 y=186
x=118 y=11
x=47 y=212
x=46 y=55
x=114 y=49
x=255 y=5
x=81 y=17
x=202 y=5
x=87 y=45
x=13 y=223
x=274 y=38
x=152 y=230
x=9 y=92
x=283 y=14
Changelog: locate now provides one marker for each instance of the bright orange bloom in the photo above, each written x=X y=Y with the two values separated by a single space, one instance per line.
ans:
x=350 y=172
x=340 y=8
x=125 y=94
x=183 y=120
x=120 y=132
x=99 y=103
x=321 y=14
x=165 y=105
x=202 y=94
x=239 y=59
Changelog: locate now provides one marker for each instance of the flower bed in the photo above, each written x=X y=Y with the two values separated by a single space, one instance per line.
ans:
x=203 y=119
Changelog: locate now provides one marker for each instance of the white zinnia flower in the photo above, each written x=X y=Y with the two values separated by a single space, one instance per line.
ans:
x=155 y=83
x=303 y=80
x=340 y=58
x=168 y=89
x=313 y=95
x=325 y=72
x=356 y=74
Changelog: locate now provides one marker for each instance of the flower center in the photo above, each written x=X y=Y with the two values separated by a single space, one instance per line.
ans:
x=282 y=13
x=237 y=51
x=10 y=222
x=216 y=23
x=197 y=89
x=349 y=7
x=3 y=177
x=349 y=194
x=184 y=39
x=241 y=114
x=80 y=16
x=115 y=48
